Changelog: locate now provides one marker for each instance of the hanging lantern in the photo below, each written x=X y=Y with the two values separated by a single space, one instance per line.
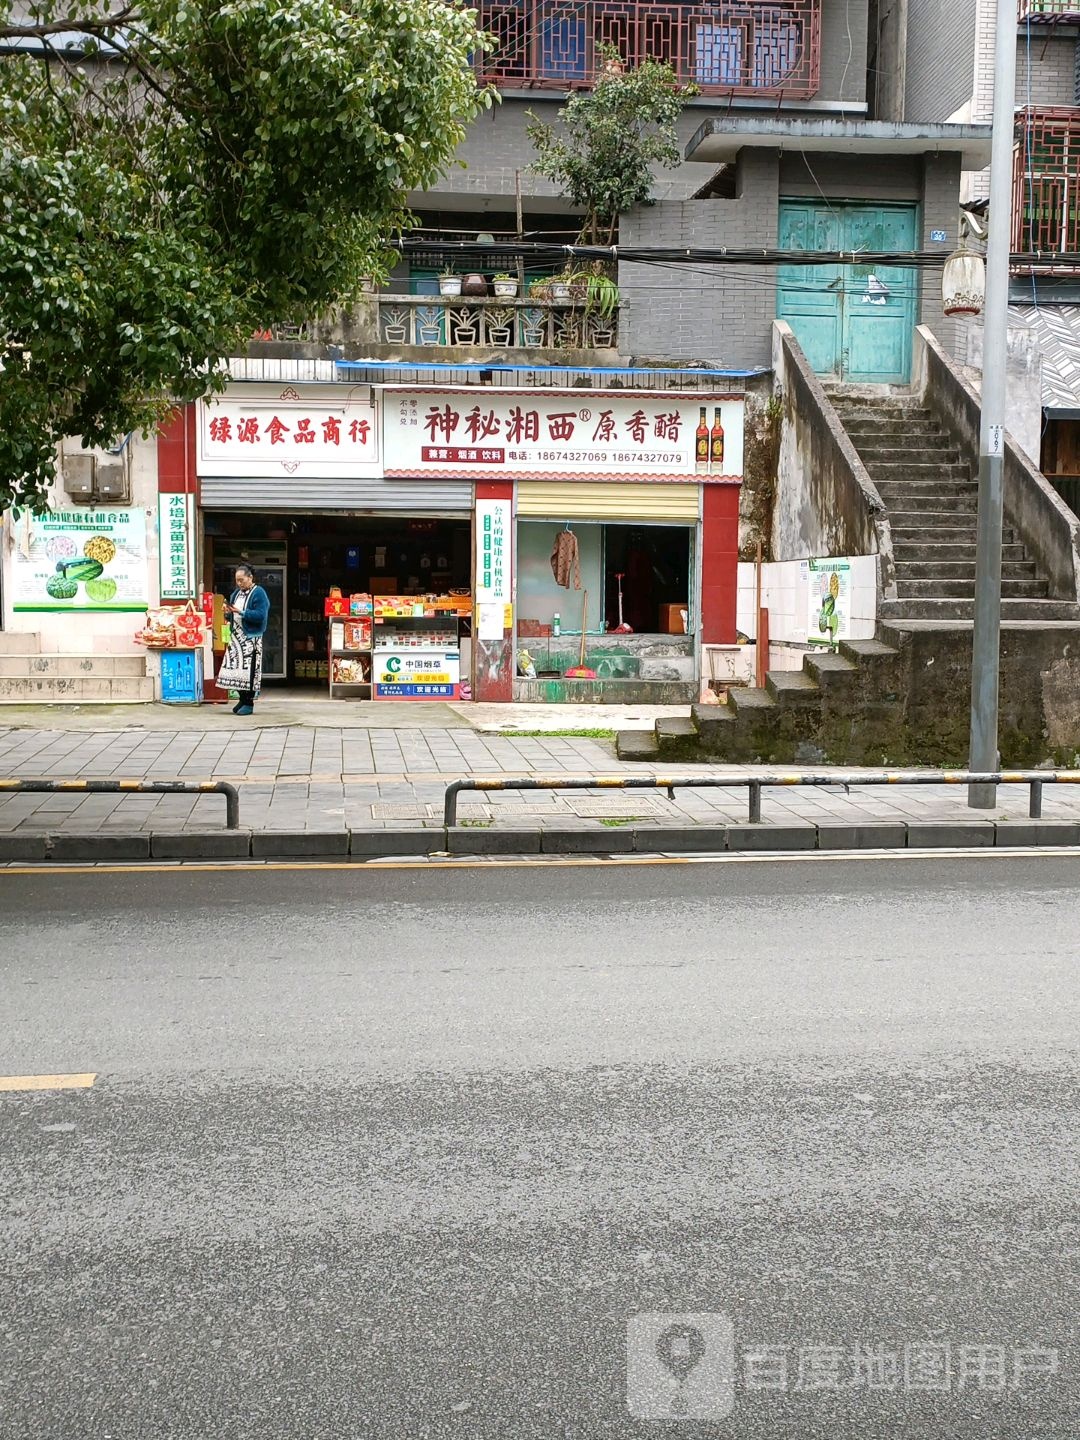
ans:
x=963 y=283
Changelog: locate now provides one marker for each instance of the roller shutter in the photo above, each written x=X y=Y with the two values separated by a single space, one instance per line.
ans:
x=580 y=500
x=371 y=495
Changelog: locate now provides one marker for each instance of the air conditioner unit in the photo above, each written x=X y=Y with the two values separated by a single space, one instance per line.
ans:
x=78 y=472
x=111 y=479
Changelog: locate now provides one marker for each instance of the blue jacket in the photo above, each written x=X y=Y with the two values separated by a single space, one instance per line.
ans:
x=256 y=614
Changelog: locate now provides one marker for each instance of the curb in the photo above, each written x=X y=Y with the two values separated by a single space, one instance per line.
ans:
x=833 y=836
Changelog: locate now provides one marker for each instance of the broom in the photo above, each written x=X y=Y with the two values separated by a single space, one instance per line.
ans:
x=581 y=671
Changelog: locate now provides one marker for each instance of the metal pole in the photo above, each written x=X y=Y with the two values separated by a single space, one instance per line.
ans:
x=986 y=637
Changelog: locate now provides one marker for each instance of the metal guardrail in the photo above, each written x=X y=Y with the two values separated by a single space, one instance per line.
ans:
x=754 y=784
x=127 y=787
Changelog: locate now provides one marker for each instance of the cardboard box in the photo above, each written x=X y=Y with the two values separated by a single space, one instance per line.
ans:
x=671 y=620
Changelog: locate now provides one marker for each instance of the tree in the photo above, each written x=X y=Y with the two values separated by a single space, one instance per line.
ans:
x=611 y=138
x=177 y=173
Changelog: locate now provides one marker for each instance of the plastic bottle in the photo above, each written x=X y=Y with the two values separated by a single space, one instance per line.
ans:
x=556 y=624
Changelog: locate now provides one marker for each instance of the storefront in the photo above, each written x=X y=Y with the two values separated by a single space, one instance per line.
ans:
x=291 y=482
x=406 y=534
x=639 y=488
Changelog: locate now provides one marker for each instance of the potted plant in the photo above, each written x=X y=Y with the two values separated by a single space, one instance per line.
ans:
x=506 y=286
x=449 y=281
x=540 y=289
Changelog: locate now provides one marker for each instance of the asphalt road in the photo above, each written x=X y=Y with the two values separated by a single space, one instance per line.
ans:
x=402 y=1153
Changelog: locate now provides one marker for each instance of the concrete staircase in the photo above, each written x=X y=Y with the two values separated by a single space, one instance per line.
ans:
x=29 y=676
x=841 y=704
x=932 y=494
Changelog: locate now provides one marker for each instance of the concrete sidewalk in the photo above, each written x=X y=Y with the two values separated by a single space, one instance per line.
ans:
x=323 y=782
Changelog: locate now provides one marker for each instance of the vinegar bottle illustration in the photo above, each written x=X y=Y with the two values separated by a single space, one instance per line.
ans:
x=716 y=449
x=701 y=446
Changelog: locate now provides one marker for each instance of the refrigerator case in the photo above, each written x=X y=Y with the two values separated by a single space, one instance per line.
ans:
x=272 y=579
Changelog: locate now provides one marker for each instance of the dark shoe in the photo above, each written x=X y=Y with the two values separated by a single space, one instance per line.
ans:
x=236 y=708
x=244 y=710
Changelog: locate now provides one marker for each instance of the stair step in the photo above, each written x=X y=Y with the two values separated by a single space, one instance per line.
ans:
x=856 y=650
x=946 y=610
x=926 y=547
x=40 y=667
x=899 y=468
x=943 y=504
x=959 y=531
x=827 y=666
x=750 y=698
x=900 y=432
x=922 y=569
x=19 y=642
x=965 y=589
x=792 y=687
x=714 y=724
x=939 y=520
x=65 y=690
x=880 y=452
x=674 y=735
x=637 y=745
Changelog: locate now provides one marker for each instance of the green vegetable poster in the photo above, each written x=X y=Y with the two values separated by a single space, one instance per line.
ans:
x=80 y=560
x=829 y=596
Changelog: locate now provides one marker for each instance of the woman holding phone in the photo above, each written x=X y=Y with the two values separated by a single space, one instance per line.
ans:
x=248 y=609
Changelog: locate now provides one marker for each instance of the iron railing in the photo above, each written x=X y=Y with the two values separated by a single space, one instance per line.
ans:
x=1050 y=10
x=474 y=322
x=732 y=47
x=133 y=787
x=755 y=784
x=1046 y=182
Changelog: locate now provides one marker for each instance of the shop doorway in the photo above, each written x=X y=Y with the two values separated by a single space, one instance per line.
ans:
x=299 y=558
x=655 y=562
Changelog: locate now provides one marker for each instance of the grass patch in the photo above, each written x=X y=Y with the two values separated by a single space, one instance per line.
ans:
x=614 y=821
x=545 y=734
x=474 y=824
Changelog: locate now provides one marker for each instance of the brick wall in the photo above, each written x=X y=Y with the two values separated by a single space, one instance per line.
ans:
x=941 y=188
x=722 y=316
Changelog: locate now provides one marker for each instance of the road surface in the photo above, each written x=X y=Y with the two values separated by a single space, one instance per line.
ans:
x=770 y=1151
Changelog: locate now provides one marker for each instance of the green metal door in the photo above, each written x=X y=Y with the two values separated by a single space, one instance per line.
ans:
x=852 y=321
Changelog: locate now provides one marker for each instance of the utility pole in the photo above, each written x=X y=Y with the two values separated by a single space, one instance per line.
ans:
x=986 y=637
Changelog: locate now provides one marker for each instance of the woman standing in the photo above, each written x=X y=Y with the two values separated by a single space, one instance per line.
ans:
x=249 y=610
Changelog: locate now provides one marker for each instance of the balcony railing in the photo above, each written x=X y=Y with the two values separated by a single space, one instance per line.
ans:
x=732 y=47
x=1046 y=182
x=1050 y=10
x=474 y=322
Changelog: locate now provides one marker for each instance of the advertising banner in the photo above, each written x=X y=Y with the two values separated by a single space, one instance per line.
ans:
x=409 y=674
x=828 y=601
x=563 y=435
x=80 y=560
x=270 y=430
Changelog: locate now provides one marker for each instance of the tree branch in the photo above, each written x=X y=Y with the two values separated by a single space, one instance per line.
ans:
x=79 y=24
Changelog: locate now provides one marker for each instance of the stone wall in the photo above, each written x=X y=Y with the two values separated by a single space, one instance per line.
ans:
x=826 y=503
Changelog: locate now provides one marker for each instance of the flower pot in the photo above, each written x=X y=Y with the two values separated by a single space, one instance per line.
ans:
x=474 y=285
x=449 y=284
x=560 y=292
x=505 y=289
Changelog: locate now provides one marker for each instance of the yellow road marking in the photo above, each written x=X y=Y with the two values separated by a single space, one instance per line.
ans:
x=47 y=1082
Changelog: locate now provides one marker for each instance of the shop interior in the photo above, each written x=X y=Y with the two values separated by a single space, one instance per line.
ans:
x=651 y=564
x=299 y=558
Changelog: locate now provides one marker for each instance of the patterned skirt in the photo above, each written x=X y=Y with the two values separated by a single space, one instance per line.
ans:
x=241 y=668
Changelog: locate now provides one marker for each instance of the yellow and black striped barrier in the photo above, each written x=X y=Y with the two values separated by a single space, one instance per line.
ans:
x=128 y=787
x=754 y=784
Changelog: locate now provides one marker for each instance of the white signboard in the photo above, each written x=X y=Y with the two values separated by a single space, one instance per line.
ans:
x=306 y=430
x=417 y=675
x=828 y=601
x=493 y=552
x=176 y=546
x=80 y=560
x=488 y=434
